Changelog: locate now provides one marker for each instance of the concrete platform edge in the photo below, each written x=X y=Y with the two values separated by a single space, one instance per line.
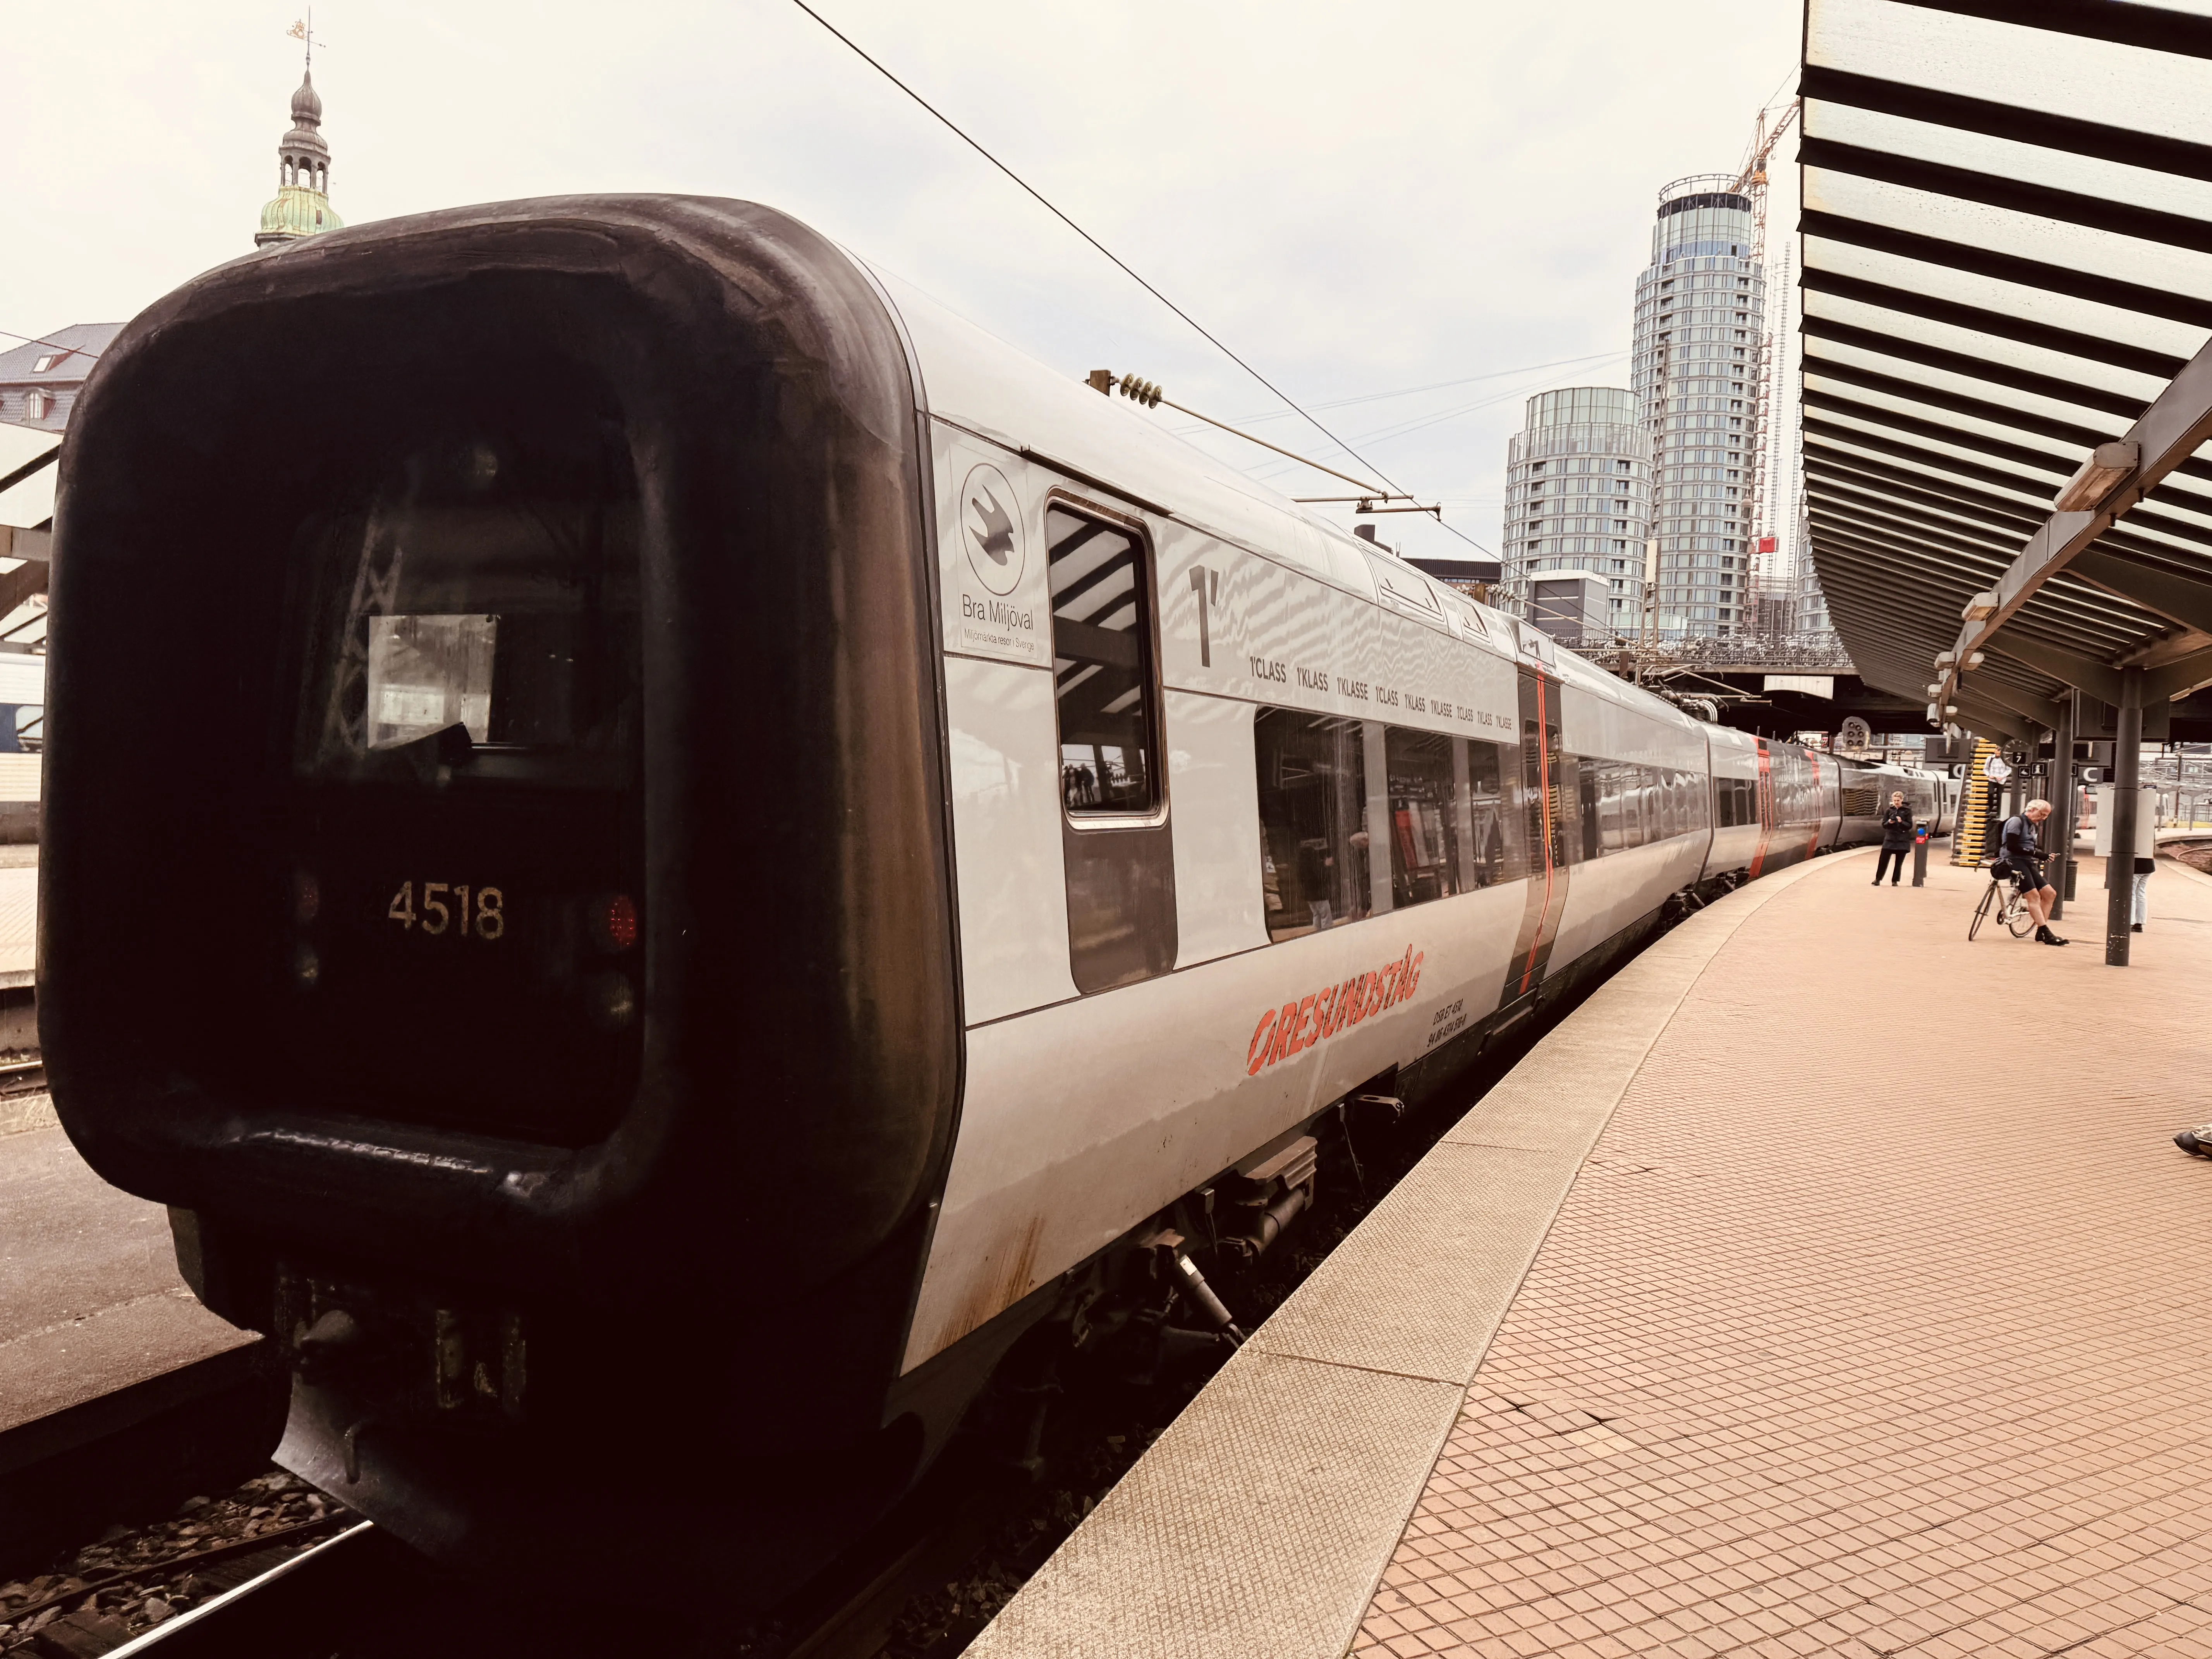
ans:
x=1261 y=1521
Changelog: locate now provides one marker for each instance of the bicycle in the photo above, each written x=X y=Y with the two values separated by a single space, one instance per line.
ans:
x=2012 y=911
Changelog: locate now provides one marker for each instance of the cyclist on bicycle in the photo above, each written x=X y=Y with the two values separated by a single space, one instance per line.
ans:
x=2020 y=855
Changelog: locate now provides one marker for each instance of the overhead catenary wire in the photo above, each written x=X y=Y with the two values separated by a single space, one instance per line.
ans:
x=1373 y=492
x=33 y=339
x=1593 y=357
x=1039 y=198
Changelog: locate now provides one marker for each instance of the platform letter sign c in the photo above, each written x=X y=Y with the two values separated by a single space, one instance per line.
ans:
x=1206 y=584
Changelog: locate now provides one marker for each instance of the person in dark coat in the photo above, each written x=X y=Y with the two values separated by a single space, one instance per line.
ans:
x=1896 y=837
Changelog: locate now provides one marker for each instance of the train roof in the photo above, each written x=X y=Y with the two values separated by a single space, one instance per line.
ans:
x=974 y=380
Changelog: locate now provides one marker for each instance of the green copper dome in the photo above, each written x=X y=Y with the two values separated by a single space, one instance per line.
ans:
x=302 y=207
x=296 y=213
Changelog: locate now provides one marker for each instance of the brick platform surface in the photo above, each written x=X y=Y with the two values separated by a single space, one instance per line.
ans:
x=1875 y=1323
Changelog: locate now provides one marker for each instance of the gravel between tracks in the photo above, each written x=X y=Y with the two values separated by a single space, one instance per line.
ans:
x=132 y=1579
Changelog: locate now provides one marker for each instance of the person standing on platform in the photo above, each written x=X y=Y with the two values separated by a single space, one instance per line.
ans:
x=2141 y=915
x=2022 y=854
x=1896 y=837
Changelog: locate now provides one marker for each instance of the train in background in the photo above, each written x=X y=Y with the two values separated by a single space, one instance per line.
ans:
x=772 y=858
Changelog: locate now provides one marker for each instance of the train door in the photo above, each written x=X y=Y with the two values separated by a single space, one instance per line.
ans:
x=1114 y=831
x=1828 y=805
x=1767 y=813
x=1544 y=789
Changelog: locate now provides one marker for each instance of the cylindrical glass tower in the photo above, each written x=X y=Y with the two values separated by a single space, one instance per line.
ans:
x=1579 y=495
x=1699 y=305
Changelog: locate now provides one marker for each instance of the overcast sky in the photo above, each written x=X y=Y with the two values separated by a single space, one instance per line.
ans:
x=1359 y=199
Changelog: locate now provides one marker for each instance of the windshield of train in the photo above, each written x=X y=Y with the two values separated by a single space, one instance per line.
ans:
x=478 y=612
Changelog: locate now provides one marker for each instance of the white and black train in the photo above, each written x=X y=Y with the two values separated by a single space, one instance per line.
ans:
x=750 y=844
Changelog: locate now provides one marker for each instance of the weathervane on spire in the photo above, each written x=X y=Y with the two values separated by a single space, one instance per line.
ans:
x=302 y=207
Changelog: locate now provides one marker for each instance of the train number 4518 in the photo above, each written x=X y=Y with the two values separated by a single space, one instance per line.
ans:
x=487 y=921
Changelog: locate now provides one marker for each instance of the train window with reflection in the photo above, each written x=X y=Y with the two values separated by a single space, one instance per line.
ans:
x=1615 y=798
x=1428 y=809
x=1735 y=802
x=1497 y=829
x=477 y=608
x=1313 y=820
x=1102 y=667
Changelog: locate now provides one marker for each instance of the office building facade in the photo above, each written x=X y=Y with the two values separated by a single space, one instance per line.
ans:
x=1700 y=307
x=1578 y=481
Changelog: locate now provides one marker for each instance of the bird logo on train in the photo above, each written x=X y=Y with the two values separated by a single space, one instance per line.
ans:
x=992 y=532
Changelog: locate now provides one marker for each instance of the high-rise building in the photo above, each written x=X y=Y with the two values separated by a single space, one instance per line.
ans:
x=1700 y=307
x=1578 y=498
x=302 y=205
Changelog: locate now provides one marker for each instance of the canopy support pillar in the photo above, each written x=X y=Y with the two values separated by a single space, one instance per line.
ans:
x=2120 y=864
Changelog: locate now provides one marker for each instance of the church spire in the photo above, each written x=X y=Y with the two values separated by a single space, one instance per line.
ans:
x=303 y=205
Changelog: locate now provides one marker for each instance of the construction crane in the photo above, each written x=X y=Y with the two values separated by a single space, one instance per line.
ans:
x=1751 y=181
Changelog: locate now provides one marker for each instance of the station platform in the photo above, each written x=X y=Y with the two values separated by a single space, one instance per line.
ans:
x=90 y=1300
x=1825 y=1284
x=115 y=1384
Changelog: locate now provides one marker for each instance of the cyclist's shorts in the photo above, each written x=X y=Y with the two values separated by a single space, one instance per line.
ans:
x=2026 y=877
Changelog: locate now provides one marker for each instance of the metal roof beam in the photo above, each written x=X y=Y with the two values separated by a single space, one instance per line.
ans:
x=1936 y=534
x=2178 y=420
x=2154 y=29
x=1952 y=467
x=1946 y=494
x=1958 y=403
x=2091 y=347
x=2026 y=704
x=2083 y=673
x=2063 y=133
x=20 y=583
x=2167 y=649
x=2034 y=460
x=2175 y=598
x=1906 y=350
x=2177 y=679
x=36 y=464
x=2016 y=195
x=1987 y=717
x=2007 y=267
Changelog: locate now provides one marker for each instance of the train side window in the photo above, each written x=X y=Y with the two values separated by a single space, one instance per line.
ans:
x=1737 y=802
x=1501 y=850
x=1582 y=831
x=1101 y=668
x=1116 y=840
x=1313 y=820
x=1424 y=817
x=1616 y=787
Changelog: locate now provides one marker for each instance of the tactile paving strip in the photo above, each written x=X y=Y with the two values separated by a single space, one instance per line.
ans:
x=1343 y=1450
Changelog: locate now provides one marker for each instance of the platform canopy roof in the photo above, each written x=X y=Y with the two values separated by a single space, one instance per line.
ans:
x=2007 y=297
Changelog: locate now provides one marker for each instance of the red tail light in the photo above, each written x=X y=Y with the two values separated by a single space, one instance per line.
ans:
x=614 y=923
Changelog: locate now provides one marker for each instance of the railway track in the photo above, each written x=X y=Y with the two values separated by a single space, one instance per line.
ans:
x=340 y=1586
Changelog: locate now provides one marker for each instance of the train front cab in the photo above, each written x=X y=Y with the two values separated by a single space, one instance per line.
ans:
x=544 y=1020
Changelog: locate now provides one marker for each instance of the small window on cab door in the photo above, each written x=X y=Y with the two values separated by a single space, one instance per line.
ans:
x=1102 y=667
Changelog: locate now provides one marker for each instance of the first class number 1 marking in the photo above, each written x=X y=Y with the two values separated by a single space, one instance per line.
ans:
x=436 y=915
